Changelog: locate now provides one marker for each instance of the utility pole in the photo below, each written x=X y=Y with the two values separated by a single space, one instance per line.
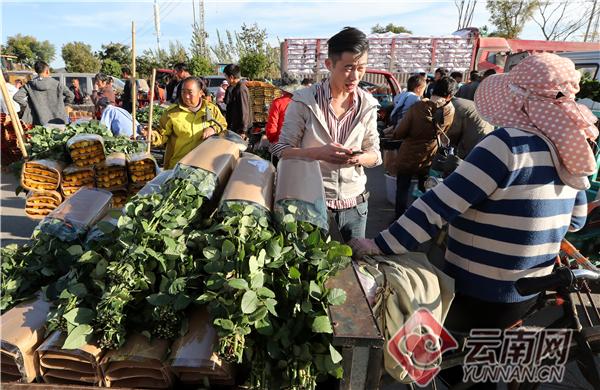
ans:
x=203 y=47
x=157 y=27
x=587 y=30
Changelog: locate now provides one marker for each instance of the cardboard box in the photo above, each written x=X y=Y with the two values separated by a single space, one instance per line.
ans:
x=192 y=358
x=251 y=181
x=22 y=332
x=69 y=366
x=140 y=363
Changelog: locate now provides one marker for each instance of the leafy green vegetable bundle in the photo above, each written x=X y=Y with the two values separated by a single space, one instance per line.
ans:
x=56 y=244
x=50 y=143
x=143 y=115
x=27 y=268
x=140 y=274
x=266 y=292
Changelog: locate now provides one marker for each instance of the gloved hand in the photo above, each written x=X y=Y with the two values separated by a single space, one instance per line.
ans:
x=155 y=138
x=364 y=247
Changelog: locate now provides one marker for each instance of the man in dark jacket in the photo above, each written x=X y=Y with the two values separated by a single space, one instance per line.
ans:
x=237 y=99
x=439 y=73
x=467 y=91
x=468 y=127
x=126 y=102
x=44 y=97
x=79 y=95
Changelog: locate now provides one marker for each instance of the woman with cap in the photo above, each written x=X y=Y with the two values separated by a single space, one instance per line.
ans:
x=511 y=202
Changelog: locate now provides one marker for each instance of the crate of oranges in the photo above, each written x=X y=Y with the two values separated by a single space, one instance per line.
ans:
x=40 y=203
x=41 y=175
x=86 y=149
x=75 y=177
x=112 y=173
x=142 y=168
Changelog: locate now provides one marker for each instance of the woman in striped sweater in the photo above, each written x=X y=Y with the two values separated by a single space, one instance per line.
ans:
x=513 y=199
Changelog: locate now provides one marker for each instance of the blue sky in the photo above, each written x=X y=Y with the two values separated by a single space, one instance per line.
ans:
x=96 y=22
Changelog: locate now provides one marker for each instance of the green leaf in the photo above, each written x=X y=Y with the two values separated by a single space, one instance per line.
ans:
x=265 y=292
x=258 y=315
x=314 y=238
x=314 y=290
x=78 y=289
x=75 y=250
x=253 y=265
x=274 y=249
x=78 y=337
x=257 y=280
x=238 y=284
x=336 y=296
x=211 y=253
x=224 y=323
x=101 y=268
x=293 y=273
x=336 y=357
x=321 y=324
x=181 y=302
x=249 y=302
x=159 y=299
x=228 y=248
x=177 y=286
x=270 y=305
x=79 y=316
x=261 y=258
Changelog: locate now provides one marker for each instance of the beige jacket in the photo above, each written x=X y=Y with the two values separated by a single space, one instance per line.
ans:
x=305 y=127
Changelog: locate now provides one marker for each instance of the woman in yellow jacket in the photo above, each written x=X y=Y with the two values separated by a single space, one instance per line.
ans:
x=184 y=125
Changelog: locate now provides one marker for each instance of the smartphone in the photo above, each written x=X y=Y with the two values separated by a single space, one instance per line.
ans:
x=356 y=152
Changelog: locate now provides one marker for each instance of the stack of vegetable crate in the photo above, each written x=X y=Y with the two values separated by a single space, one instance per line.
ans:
x=262 y=95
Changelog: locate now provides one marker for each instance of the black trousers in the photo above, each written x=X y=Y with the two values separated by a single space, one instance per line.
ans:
x=468 y=313
x=402 y=189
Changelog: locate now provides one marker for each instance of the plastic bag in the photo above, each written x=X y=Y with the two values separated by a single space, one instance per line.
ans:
x=299 y=192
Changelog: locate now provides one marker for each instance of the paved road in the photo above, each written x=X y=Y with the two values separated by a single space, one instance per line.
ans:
x=15 y=226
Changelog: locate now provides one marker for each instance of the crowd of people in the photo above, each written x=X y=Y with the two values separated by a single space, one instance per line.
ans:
x=508 y=204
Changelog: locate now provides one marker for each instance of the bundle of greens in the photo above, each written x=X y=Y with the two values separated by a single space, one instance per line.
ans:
x=27 y=268
x=50 y=143
x=266 y=292
x=143 y=115
x=139 y=266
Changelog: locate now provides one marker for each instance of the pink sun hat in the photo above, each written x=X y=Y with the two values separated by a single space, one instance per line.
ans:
x=538 y=96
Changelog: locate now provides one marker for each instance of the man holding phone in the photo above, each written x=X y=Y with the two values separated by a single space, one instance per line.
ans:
x=335 y=122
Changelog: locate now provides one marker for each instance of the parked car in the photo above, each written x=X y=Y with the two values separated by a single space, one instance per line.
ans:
x=214 y=82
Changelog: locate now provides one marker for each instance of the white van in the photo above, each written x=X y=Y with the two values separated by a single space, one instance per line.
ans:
x=86 y=81
x=585 y=62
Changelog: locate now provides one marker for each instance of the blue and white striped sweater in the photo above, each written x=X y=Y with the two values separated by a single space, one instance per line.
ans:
x=508 y=211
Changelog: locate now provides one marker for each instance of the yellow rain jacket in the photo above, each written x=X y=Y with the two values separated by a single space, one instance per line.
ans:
x=182 y=130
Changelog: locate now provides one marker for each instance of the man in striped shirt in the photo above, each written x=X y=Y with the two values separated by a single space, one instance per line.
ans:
x=511 y=202
x=335 y=122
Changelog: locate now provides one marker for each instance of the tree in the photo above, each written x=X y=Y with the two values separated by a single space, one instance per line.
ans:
x=28 y=49
x=201 y=66
x=175 y=55
x=465 y=12
x=117 y=52
x=557 y=22
x=224 y=50
x=78 y=57
x=111 y=68
x=250 y=43
x=198 y=46
x=254 y=65
x=510 y=16
x=391 y=27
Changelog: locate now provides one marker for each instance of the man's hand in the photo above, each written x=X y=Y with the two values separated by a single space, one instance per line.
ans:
x=333 y=153
x=209 y=131
x=364 y=247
